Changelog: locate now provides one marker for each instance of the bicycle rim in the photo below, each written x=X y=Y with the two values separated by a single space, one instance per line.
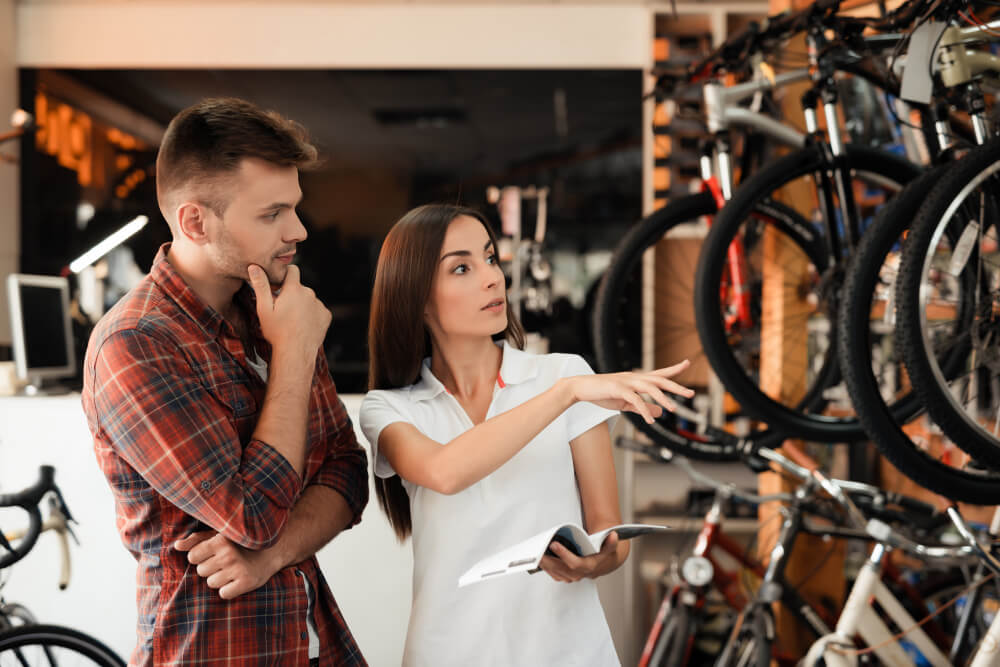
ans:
x=806 y=284
x=950 y=305
x=622 y=311
x=48 y=646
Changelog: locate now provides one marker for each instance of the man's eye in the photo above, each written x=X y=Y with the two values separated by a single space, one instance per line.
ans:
x=273 y=216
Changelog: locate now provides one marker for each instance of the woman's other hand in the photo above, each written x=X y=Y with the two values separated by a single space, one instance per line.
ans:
x=567 y=567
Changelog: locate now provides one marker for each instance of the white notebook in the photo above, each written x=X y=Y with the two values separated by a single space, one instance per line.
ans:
x=525 y=556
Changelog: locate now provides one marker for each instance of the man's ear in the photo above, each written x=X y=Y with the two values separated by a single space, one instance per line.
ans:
x=192 y=222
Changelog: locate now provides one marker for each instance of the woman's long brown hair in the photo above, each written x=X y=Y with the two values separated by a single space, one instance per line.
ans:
x=398 y=341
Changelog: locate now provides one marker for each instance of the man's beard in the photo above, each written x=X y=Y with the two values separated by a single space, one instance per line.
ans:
x=231 y=264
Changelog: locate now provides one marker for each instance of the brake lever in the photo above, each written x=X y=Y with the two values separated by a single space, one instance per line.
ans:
x=58 y=504
x=63 y=507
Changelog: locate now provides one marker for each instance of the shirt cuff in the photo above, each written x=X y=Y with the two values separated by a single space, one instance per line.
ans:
x=267 y=471
x=349 y=477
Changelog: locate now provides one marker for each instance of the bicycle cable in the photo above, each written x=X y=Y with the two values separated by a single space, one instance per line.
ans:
x=838 y=648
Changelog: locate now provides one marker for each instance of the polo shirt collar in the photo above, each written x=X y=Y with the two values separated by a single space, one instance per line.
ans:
x=516 y=366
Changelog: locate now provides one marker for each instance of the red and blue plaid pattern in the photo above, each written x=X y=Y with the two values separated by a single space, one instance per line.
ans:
x=172 y=405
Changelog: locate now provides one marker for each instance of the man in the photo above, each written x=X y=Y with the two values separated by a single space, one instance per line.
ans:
x=215 y=420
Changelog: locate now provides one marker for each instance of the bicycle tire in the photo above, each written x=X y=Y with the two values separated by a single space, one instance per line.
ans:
x=875 y=165
x=919 y=256
x=617 y=326
x=671 y=648
x=751 y=644
x=48 y=637
x=881 y=422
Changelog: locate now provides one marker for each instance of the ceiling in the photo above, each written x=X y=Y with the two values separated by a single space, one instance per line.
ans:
x=420 y=121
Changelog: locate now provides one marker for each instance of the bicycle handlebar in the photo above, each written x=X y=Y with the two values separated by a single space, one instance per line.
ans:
x=29 y=499
x=883 y=533
x=759 y=36
x=876 y=501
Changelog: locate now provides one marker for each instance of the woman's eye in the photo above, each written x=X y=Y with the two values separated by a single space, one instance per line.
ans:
x=461 y=268
x=492 y=259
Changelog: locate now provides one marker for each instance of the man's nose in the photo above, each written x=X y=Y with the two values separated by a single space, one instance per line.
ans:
x=296 y=232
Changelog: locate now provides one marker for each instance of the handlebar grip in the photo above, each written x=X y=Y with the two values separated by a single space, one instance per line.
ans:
x=64 y=571
x=914 y=505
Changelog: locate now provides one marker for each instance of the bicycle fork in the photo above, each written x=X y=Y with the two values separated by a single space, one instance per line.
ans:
x=737 y=291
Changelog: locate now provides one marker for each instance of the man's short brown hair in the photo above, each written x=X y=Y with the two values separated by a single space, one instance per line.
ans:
x=205 y=143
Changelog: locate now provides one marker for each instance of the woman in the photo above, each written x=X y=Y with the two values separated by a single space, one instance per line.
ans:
x=479 y=445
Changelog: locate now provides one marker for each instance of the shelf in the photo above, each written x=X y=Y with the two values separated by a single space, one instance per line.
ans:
x=692 y=524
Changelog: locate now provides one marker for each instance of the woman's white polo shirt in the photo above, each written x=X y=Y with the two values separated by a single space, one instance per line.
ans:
x=520 y=619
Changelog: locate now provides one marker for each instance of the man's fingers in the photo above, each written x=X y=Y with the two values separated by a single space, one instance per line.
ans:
x=219 y=579
x=209 y=567
x=233 y=589
x=190 y=541
x=206 y=548
x=261 y=288
x=291 y=276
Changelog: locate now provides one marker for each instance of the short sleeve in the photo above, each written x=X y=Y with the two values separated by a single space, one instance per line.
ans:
x=377 y=412
x=582 y=416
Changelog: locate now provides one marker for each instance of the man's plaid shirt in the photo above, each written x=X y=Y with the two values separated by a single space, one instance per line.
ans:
x=172 y=405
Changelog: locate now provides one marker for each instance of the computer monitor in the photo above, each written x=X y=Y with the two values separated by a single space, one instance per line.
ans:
x=40 y=323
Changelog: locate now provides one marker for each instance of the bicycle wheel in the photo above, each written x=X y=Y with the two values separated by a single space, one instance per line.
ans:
x=14 y=615
x=50 y=645
x=750 y=644
x=670 y=648
x=735 y=318
x=871 y=357
x=618 y=327
x=949 y=303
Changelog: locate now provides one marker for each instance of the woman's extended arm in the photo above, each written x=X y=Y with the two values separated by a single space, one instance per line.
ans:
x=482 y=449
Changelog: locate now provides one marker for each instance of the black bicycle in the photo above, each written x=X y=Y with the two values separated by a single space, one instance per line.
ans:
x=23 y=642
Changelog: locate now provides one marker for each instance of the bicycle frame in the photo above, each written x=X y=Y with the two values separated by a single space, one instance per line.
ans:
x=723 y=112
x=859 y=618
x=725 y=581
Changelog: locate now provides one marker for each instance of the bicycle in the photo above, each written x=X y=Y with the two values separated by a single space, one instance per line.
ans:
x=858 y=617
x=23 y=641
x=947 y=292
x=683 y=613
x=617 y=323
x=868 y=312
